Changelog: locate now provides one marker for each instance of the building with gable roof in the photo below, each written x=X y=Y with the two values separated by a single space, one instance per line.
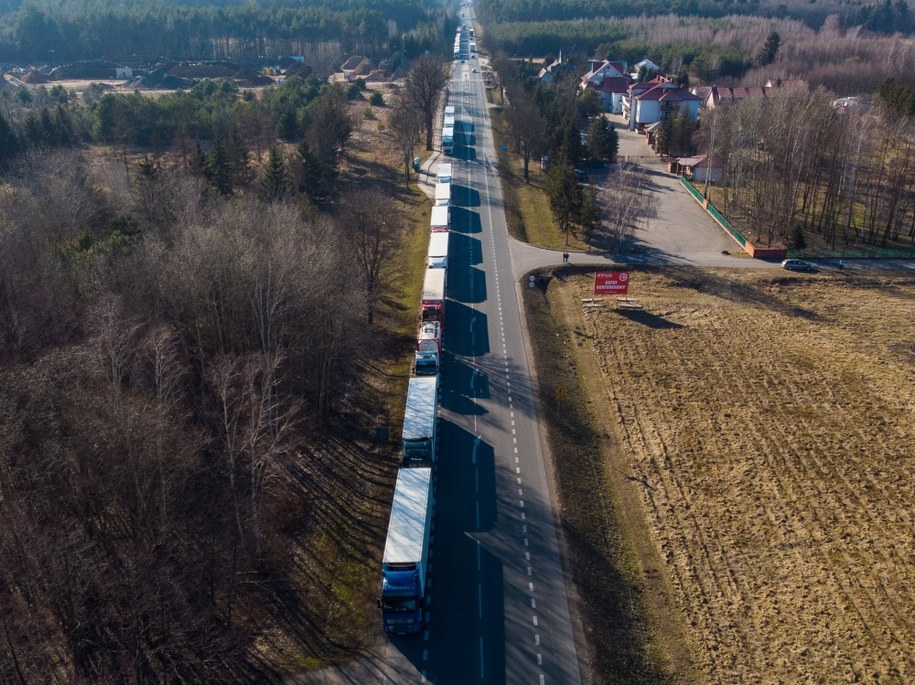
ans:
x=718 y=95
x=607 y=79
x=651 y=101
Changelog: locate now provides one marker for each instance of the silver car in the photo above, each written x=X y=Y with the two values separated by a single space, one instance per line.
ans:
x=798 y=265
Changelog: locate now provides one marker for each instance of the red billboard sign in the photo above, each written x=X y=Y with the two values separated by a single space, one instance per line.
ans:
x=611 y=282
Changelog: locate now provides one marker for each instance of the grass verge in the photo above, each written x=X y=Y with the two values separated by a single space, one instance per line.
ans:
x=527 y=208
x=625 y=605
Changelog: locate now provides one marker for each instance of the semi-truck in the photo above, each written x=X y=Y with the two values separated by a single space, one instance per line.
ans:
x=406 y=553
x=442 y=194
x=441 y=219
x=438 y=250
x=434 y=296
x=448 y=140
x=419 y=421
x=428 y=349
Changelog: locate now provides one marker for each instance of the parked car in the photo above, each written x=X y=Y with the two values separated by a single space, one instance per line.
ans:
x=474 y=70
x=798 y=265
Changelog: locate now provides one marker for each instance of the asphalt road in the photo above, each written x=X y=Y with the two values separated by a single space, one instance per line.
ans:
x=498 y=609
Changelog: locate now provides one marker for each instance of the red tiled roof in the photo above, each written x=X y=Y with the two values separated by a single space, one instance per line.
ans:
x=615 y=84
x=667 y=92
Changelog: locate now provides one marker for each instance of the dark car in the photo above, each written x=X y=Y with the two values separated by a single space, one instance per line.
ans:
x=798 y=265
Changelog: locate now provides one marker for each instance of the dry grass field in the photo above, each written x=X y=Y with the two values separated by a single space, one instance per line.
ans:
x=767 y=422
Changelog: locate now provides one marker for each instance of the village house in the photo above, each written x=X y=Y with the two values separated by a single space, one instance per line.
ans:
x=716 y=95
x=556 y=69
x=357 y=66
x=698 y=168
x=607 y=79
x=651 y=101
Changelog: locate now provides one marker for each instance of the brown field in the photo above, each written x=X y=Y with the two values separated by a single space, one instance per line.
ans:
x=766 y=423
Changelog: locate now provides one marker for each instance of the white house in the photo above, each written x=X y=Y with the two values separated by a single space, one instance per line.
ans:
x=654 y=100
x=647 y=65
x=607 y=79
x=123 y=73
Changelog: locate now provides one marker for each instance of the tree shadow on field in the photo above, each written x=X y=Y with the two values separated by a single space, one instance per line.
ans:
x=754 y=292
x=376 y=176
x=700 y=279
x=647 y=318
x=620 y=635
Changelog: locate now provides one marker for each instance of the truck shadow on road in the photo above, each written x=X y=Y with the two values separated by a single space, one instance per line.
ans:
x=466 y=283
x=461 y=386
x=467 y=615
x=466 y=331
x=465 y=221
x=462 y=196
x=464 y=250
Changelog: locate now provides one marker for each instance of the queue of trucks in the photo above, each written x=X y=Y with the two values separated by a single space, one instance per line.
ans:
x=406 y=550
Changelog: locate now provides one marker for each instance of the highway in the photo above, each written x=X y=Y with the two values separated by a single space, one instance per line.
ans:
x=498 y=610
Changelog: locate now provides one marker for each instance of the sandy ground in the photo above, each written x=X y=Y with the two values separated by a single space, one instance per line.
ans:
x=769 y=420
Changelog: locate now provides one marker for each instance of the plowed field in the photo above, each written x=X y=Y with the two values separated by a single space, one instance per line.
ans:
x=770 y=421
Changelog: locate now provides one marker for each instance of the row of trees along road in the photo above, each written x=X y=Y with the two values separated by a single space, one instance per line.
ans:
x=793 y=166
x=547 y=119
x=179 y=330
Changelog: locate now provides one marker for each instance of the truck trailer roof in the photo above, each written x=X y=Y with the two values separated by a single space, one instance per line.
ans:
x=440 y=219
x=442 y=193
x=434 y=285
x=407 y=525
x=422 y=402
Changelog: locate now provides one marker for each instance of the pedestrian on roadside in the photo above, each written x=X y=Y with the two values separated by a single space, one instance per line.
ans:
x=841 y=264
x=565 y=257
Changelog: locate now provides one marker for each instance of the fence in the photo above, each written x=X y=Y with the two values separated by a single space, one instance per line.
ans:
x=737 y=236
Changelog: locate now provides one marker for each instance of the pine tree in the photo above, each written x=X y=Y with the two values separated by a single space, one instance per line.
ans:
x=9 y=143
x=603 y=141
x=564 y=194
x=589 y=214
x=315 y=177
x=769 y=49
x=218 y=169
x=274 y=181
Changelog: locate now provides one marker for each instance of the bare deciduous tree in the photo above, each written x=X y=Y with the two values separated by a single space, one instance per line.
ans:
x=405 y=123
x=372 y=232
x=425 y=83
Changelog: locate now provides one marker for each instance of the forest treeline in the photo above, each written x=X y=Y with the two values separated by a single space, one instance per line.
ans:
x=793 y=167
x=180 y=121
x=185 y=328
x=889 y=16
x=58 y=31
x=723 y=51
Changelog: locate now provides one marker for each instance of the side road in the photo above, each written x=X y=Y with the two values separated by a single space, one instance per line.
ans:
x=680 y=232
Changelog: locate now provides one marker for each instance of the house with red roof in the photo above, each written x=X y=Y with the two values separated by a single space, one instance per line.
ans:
x=607 y=79
x=651 y=101
x=717 y=95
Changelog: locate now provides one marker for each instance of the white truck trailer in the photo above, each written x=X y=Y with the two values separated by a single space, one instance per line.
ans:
x=442 y=194
x=438 y=250
x=441 y=219
x=420 y=420
x=406 y=553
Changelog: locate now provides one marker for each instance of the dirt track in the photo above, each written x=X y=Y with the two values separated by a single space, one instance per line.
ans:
x=769 y=419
